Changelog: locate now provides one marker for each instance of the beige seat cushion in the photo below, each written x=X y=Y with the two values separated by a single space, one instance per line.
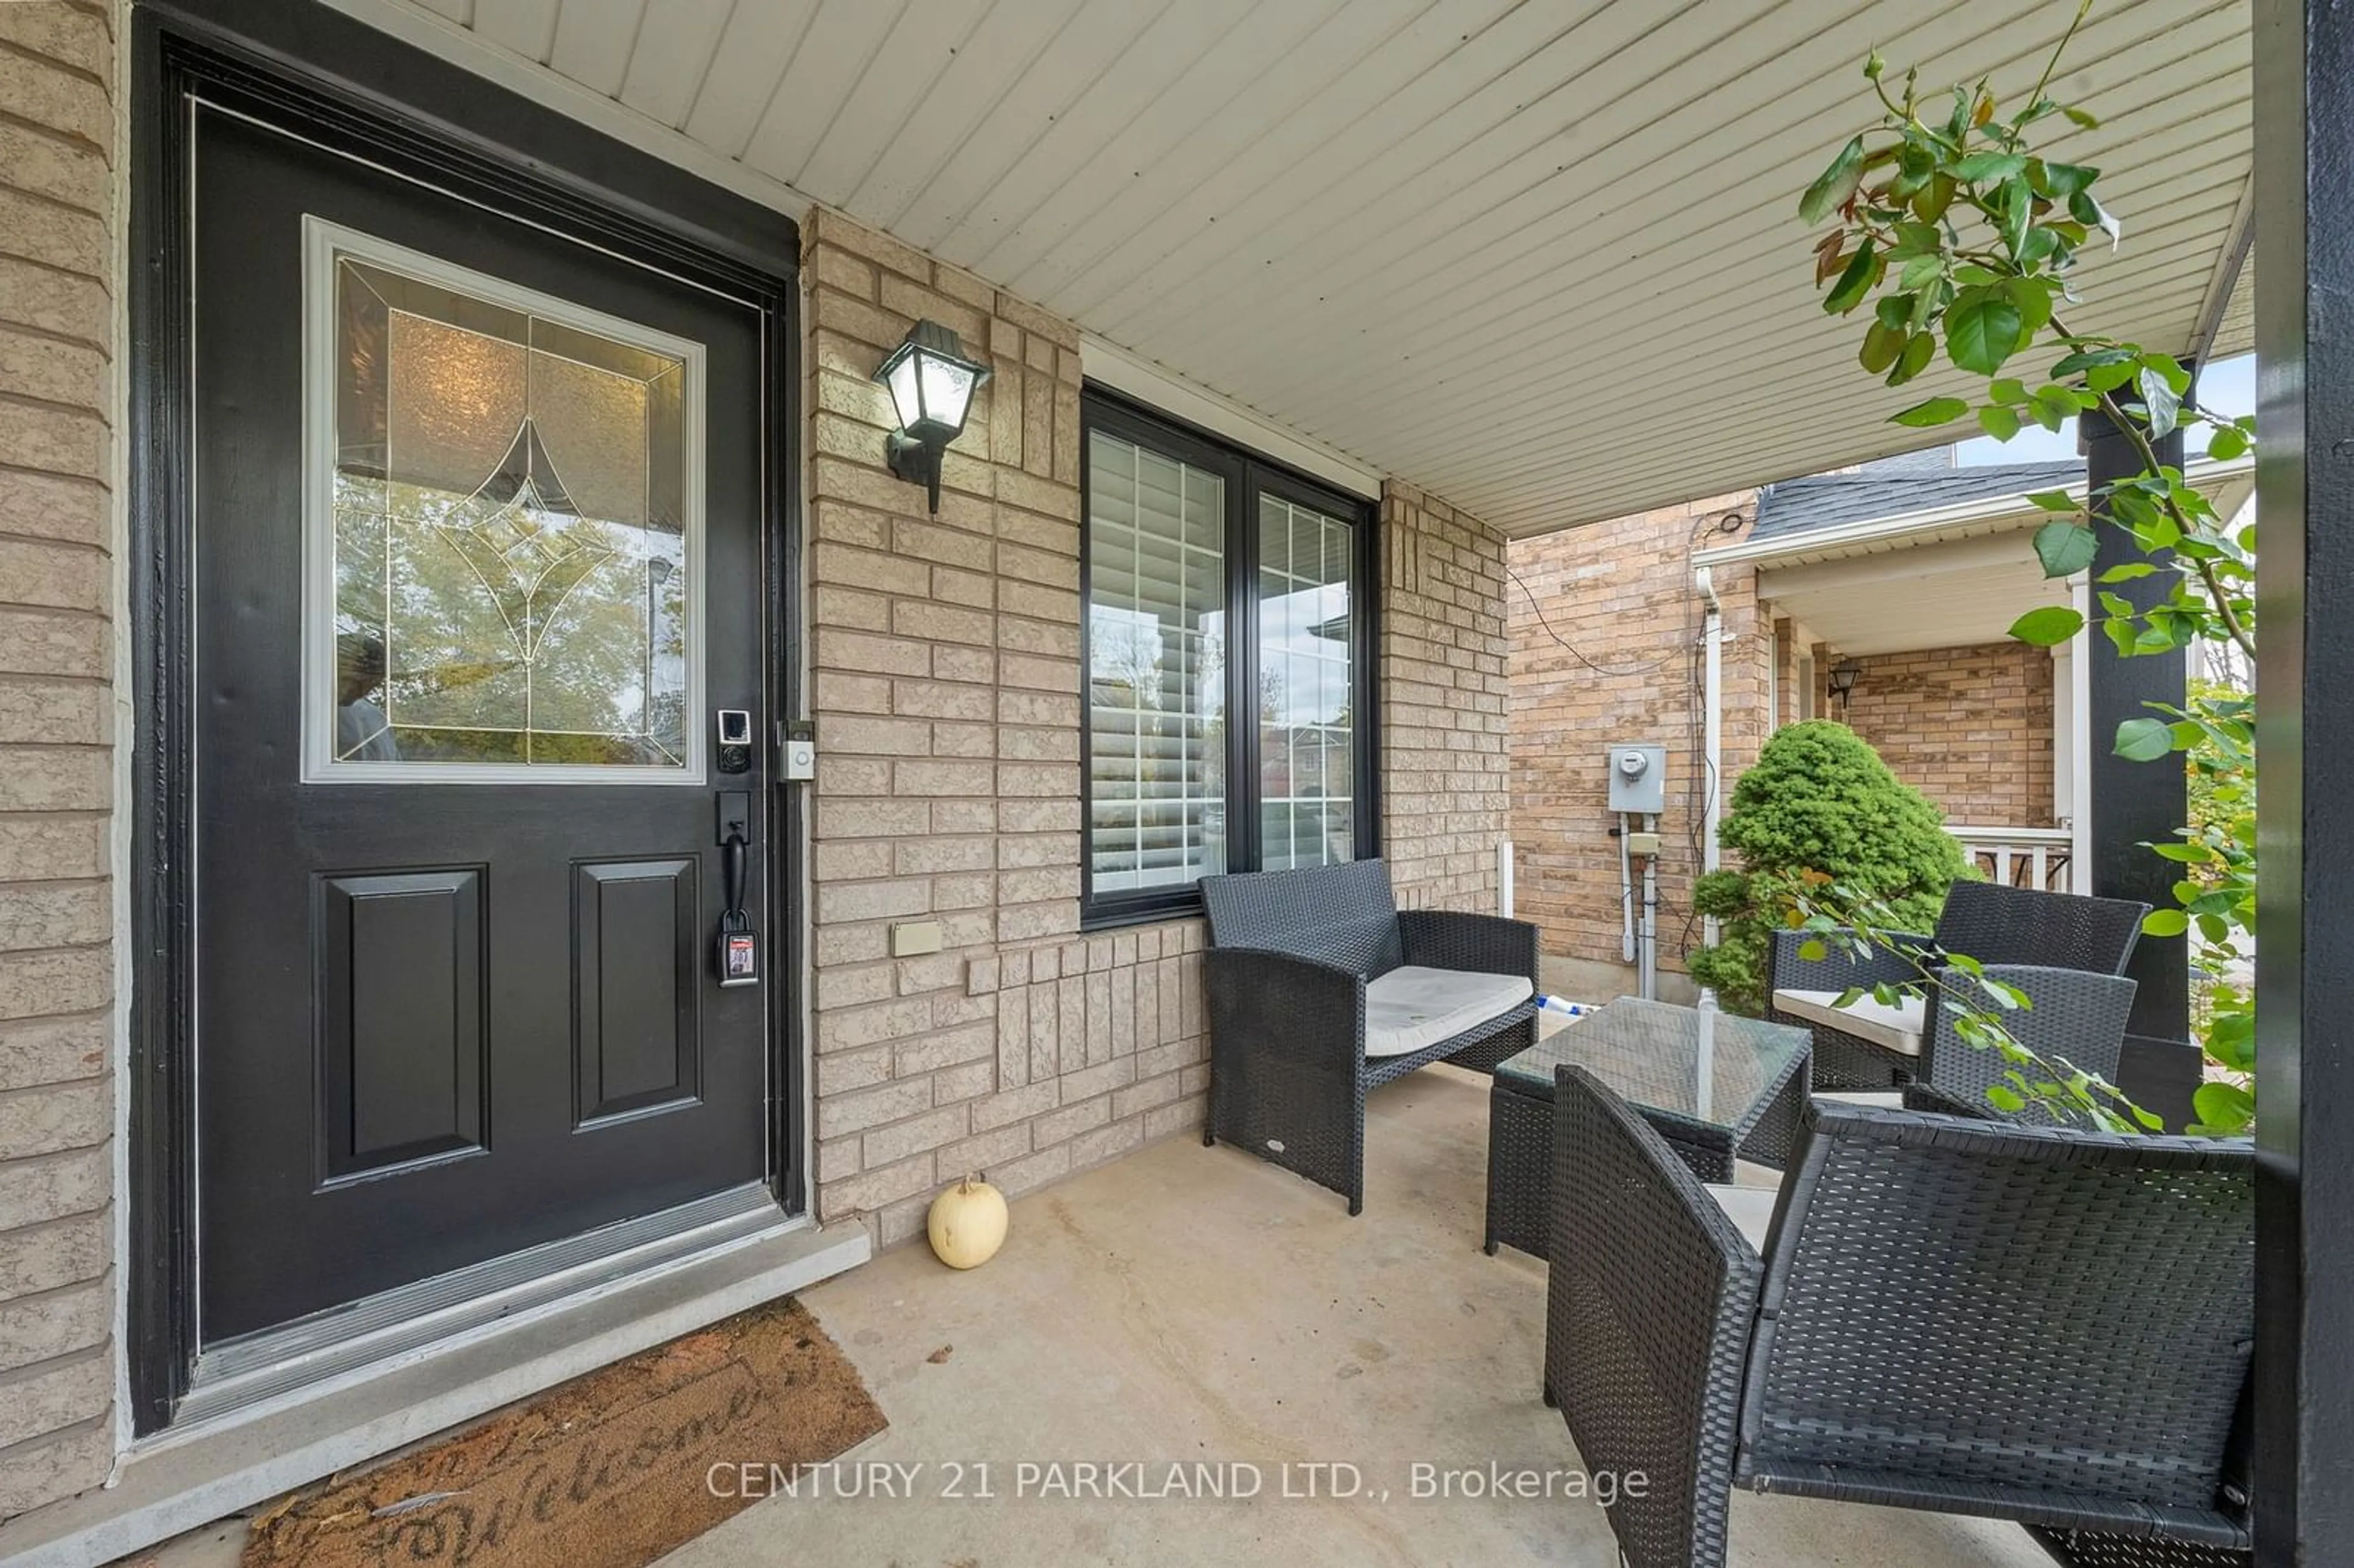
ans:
x=1751 y=1210
x=1896 y=1028
x=1411 y=1008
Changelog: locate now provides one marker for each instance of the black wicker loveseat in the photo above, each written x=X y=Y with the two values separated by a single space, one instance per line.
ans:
x=2030 y=1323
x=1320 y=989
x=1868 y=1046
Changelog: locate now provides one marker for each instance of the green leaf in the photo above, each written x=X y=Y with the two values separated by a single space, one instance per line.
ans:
x=2007 y=389
x=1919 y=270
x=2085 y=209
x=2084 y=117
x=1935 y=411
x=2126 y=572
x=1836 y=183
x=2226 y=443
x=2056 y=501
x=2003 y=1097
x=1930 y=205
x=2054 y=406
x=2065 y=548
x=1987 y=167
x=2085 y=359
x=2164 y=402
x=2109 y=377
x=2017 y=212
x=1919 y=349
x=2164 y=923
x=1882 y=345
x=1814 y=952
x=1853 y=283
x=2223 y=1109
x=1982 y=330
x=2145 y=740
x=2048 y=627
x=2064 y=180
x=1998 y=421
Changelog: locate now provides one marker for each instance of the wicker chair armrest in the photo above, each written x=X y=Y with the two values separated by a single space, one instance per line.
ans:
x=1650 y=1302
x=1481 y=944
x=1838 y=969
x=1282 y=1004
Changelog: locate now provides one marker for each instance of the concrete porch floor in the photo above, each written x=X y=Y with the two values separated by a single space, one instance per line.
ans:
x=1192 y=1304
x=1185 y=1304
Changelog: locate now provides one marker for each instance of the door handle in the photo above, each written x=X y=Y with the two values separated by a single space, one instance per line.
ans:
x=739 y=945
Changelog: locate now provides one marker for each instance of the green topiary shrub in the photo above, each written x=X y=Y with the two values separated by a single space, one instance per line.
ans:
x=1820 y=799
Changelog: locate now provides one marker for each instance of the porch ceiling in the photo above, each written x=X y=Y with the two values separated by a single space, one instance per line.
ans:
x=1539 y=257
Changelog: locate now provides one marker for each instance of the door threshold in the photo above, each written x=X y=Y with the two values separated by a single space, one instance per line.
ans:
x=187 y=1477
x=326 y=1345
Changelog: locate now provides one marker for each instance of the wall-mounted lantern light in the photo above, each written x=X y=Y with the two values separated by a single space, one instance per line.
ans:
x=931 y=383
x=1843 y=675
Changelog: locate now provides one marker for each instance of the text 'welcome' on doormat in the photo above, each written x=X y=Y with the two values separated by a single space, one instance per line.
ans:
x=607 y=1471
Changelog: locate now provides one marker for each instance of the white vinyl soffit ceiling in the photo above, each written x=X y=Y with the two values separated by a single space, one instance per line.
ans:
x=1539 y=257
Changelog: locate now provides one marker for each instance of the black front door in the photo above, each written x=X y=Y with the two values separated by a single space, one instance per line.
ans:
x=477 y=545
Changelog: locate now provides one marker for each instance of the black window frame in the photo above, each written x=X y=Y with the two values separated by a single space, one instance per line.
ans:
x=1246 y=474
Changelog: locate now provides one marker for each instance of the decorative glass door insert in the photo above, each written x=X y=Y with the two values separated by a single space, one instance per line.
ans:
x=505 y=531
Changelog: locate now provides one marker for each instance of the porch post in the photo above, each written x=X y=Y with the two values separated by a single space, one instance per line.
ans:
x=2137 y=803
x=2305 y=719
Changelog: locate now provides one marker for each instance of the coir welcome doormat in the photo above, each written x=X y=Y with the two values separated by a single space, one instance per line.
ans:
x=607 y=1471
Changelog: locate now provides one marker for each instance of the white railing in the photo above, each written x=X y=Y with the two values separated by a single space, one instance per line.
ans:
x=2022 y=857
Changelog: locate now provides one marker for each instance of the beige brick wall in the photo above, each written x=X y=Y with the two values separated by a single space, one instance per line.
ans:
x=1969 y=728
x=1446 y=793
x=57 y=725
x=1620 y=594
x=945 y=682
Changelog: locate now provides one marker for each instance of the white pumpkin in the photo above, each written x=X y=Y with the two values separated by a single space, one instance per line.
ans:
x=967 y=1224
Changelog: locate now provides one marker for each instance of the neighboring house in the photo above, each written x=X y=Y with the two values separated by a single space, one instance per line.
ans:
x=1881 y=596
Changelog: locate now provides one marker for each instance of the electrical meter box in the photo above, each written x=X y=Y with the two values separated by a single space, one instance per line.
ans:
x=1639 y=779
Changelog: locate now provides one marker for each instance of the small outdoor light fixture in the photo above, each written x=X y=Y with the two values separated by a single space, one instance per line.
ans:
x=931 y=383
x=1843 y=675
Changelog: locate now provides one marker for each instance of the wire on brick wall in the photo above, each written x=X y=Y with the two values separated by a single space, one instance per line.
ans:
x=1538 y=610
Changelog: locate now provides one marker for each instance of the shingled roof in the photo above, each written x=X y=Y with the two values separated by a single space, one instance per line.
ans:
x=1803 y=505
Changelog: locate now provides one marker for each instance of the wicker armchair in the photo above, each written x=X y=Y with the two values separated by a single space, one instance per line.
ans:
x=2076 y=1016
x=1986 y=921
x=1965 y=1316
x=1296 y=973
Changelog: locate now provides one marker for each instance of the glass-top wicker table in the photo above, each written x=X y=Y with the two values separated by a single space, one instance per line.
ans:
x=1718 y=1087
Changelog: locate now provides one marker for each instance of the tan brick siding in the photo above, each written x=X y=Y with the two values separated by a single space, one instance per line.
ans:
x=945 y=682
x=1969 y=728
x=56 y=726
x=1620 y=593
x=1446 y=792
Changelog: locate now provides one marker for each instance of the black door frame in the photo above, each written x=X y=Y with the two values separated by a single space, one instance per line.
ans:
x=300 y=65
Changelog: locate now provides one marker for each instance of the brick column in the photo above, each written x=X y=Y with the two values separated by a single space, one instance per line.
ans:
x=56 y=729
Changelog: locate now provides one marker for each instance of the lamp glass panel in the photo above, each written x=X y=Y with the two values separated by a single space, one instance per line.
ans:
x=907 y=391
x=947 y=391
